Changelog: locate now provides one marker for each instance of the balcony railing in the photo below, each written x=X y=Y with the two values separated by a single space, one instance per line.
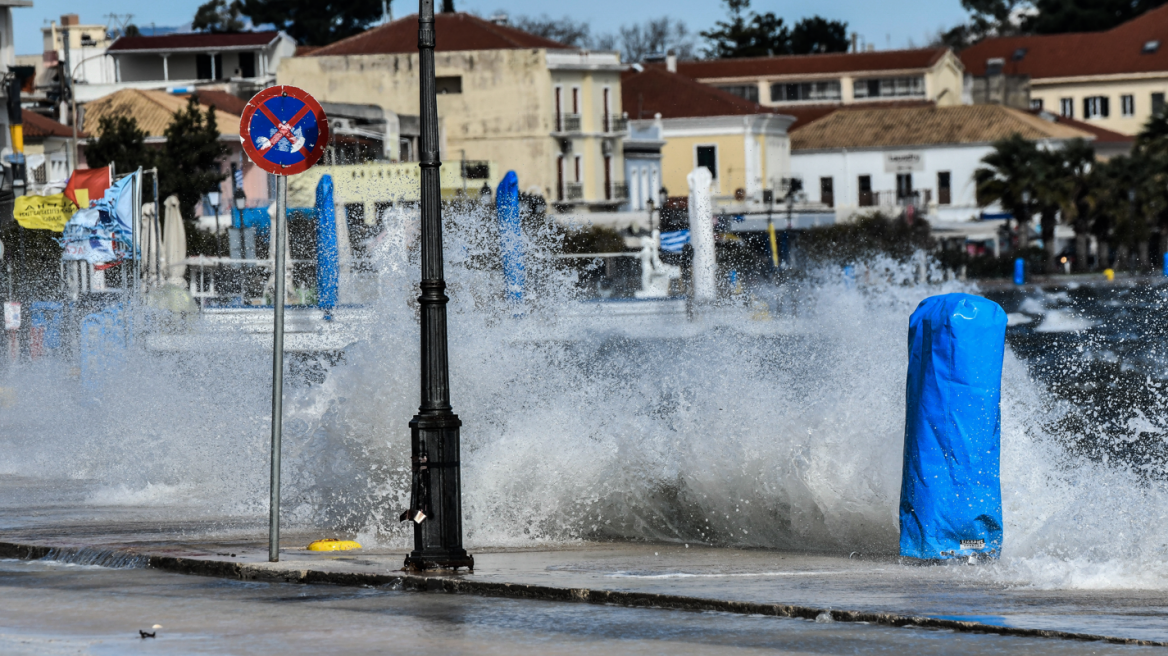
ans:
x=573 y=191
x=919 y=198
x=615 y=124
x=568 y=123
x=617 y=191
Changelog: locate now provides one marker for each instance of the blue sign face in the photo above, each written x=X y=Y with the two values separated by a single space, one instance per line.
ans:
x=284 y=130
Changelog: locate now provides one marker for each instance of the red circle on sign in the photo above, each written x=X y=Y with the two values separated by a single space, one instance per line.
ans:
x=254 y=153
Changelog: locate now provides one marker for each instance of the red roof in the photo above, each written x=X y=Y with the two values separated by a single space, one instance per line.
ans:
x=1101 y=135
x=193 y=41
x=453 y=32
x=1115 y=51
x=36 y=125
x=227 y=102
x=838 y=62
x=657 y=91
x=805 y=114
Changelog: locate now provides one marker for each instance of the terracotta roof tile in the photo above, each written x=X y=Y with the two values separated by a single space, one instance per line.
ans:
x=926 y=126
x=805 y=114
x=841 y=62
x=655 y=90
x=192 y=41
x=228 y=102
x=39 y=126
x=1115 y=51
x=1102 y=135
x=454 y=32
x=154 y=110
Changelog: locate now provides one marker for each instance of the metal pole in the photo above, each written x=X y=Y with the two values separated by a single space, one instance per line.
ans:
x=436 y=499
x=157 y=233
x=277 y=364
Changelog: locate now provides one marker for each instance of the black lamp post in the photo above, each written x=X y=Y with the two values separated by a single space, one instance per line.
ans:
x=436 y=493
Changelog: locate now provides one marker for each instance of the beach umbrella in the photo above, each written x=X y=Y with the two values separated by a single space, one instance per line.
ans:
x=151 y=251
x=174 y=242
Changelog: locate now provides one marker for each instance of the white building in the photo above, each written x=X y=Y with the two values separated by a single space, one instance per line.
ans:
x=883 y=159
x=243 y=62
x=84 y=45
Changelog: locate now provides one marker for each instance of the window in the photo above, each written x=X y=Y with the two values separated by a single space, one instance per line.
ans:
x=560 y=178
x=1067 y=107
x=904 y=187
x=747 y=91
x=799 y=91
x=1095 y=107
x=1036 y=103
x=890 y=87
x=1150 y=47
x=608 y=177
x=207 y=68
x=943 y=189
x=559 y=111
x=826 y=193
x=579 y=167
x=708 y=157
x=865 y=184
x=1157 y=103
x=994 y=66
x=247 y=64
x=575 y=100
x=449 y=84
x=1127 y=105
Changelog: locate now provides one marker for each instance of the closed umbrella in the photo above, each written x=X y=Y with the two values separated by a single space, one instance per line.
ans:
x=174 y=242
x=150 y=244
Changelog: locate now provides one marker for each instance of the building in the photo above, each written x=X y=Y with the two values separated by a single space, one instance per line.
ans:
x=642 y=149
x=928 y=74
x=243 y=62
x=84 y=45
x=46 y=151
x=1115 y=79
x=545 y=110
x=861 y=160
x=7 y=57
x=744 y=144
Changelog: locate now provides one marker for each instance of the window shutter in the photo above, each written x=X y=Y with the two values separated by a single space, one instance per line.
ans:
x=1086 y=108
x=1103 y=106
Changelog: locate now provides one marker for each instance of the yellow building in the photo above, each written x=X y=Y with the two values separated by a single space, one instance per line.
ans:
x=535 y=106
x=926 y=74
x=1115 y=79
x=744 y=145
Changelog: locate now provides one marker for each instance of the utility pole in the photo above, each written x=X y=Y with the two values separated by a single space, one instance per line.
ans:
x=436 y=493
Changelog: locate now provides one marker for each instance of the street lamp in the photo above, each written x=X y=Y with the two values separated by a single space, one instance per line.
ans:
x=436 y=490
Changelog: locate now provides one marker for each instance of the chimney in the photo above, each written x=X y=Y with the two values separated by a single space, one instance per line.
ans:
x=671 y=62
x=70 y=20
x=855 y=37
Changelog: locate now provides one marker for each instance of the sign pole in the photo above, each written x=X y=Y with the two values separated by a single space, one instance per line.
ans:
x=436 y=495
x=277 y=364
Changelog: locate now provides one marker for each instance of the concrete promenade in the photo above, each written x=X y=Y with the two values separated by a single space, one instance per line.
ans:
x=880 y=591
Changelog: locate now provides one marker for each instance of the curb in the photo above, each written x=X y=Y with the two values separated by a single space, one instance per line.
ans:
x=452 y=585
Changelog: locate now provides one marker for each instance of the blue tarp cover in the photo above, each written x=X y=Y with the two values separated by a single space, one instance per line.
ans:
x=950 y=495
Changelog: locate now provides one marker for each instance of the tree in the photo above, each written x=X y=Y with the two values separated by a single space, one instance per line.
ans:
x=315 y=22
x=188 y=165
x=132 y=30
x=565 y=30
x=743 y=35
x=818 y=34
x=656 y=36
x=1007 y=179
x=1059 y=16
x=218 y=16
x=121 y=142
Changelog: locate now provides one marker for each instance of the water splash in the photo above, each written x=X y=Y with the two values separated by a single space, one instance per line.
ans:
x=728 y=430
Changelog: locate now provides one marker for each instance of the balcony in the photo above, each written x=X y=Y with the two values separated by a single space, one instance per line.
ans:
x=568 y=123
x=615 y=124
x=573 y=191
x=617 y=191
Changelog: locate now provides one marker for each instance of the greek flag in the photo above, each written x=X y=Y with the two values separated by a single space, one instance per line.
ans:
x=671 y=242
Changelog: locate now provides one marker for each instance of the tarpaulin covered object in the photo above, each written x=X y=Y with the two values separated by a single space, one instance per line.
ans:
x=327 y=274
x=951 y=495
x=511 y=236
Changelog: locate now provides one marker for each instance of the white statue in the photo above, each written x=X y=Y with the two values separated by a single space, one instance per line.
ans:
x=655 y=274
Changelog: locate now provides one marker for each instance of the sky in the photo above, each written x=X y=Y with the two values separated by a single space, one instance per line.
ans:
x=883 y=23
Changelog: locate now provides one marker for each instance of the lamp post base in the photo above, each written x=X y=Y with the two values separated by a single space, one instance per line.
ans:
x=453 y=560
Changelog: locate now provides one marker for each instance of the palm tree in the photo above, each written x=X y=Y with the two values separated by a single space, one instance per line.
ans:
x=1008 y=179
x=1077 y=162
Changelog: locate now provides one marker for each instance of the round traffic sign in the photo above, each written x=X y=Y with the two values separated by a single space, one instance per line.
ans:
x=283 y=130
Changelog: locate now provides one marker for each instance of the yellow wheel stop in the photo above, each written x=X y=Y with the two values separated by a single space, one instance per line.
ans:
x=329 y=544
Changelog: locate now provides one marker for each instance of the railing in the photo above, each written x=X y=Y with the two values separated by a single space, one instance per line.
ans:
x=568 y=123
x=617 y=191
x=918 y=198
x=573 y=191
x=616 y=124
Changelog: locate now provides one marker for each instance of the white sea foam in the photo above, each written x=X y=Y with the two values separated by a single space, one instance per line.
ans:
x=729 y=430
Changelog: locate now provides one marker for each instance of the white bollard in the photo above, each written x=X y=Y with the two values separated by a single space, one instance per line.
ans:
x=701 y=233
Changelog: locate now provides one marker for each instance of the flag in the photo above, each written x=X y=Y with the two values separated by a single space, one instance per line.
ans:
x=86 y=185
x=672 y=242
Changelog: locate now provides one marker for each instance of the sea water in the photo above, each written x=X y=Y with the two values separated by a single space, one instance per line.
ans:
x=773 y=419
